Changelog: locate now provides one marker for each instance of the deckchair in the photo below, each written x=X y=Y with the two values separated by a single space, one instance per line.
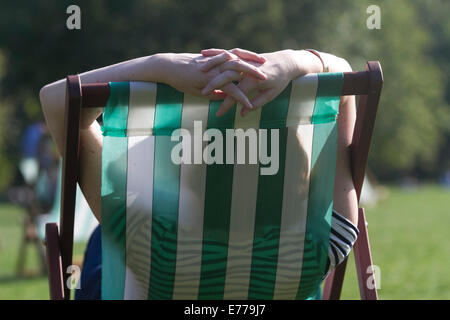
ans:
x=219 y=230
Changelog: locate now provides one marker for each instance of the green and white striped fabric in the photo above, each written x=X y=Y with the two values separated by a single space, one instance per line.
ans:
x=216 y=231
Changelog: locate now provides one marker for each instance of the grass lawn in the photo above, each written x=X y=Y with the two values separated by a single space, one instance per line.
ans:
x=32 y=285
x=408 y=231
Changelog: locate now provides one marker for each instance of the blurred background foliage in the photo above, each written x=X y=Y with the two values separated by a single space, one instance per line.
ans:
x=412 y=135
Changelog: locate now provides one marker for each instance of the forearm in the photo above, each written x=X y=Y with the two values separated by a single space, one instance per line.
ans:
x=90 y=162
x=52 y=96
x=345 y=200
x=181 y=71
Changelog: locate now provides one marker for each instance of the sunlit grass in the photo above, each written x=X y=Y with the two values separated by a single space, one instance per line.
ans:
x=408 y=232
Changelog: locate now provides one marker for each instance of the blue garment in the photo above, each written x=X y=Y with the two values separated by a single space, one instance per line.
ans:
x=30 y=140
x=91 y=274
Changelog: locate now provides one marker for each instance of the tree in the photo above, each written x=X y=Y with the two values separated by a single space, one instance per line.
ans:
x=411 y=128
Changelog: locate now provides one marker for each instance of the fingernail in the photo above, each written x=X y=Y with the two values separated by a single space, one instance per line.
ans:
x=219 y=93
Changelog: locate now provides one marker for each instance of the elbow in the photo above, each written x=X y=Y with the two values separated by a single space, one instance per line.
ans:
x=337 y=64
x=44 y=97
x=343 y=65
x=52 y=96
x=346 y=65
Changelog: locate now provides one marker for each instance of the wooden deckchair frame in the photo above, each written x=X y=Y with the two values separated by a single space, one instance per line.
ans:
x=367 y=84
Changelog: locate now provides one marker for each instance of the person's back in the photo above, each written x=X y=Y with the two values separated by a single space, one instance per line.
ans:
x=345 y=201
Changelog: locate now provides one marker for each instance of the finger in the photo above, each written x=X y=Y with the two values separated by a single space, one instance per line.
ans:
x=245 y=85
x=216 y=60
x=221 y=80
x=225 y=106
x=212 y=52
x=248 y=55
x=216 y=94
x=241 y=53
x=232 y=90
x=242 y=66
x=263 y=98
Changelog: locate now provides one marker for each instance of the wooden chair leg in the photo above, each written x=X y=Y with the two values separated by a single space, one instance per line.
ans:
x=55 y=274
x=333 y=283
x=364 y=268
x=363 y=261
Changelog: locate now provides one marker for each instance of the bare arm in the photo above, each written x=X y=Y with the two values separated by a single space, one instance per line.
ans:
x=286 y=64
x=52 y=98
x=181 y=71
x=345 y=200
x=280 y=68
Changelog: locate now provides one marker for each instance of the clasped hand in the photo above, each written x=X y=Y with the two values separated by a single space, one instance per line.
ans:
x=232 y=75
